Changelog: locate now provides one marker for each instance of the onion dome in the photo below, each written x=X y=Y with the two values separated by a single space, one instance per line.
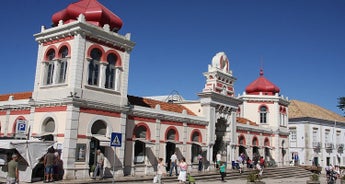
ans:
x=94 y=12
x=263 y=85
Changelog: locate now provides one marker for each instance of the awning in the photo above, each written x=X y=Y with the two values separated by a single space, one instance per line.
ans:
x=143 y=141
x=148 y=143
x=173 y=141
x=103 y=140
x=242 y=145
x=197 y=143
x=269 y=147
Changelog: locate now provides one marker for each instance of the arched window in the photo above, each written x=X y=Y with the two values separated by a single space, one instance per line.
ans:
x=263 y=114
x=140 y=132
x=50 y=67
x=171 y=134
x=99 y=127
x=196 y=137
x=63 y=64
x=49 y=126
x=94 y=67
x=110 y=72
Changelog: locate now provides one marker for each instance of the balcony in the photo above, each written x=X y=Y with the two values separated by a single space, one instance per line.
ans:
x=329 y=145
x=316 y=145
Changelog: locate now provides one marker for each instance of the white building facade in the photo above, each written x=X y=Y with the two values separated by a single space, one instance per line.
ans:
x=317 y=136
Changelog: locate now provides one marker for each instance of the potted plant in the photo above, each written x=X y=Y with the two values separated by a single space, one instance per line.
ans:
x=253 y=178
x=314 y=179
x=92 y=169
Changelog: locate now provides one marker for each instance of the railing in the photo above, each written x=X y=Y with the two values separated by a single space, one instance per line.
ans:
x=329 y=145
x=316 y=144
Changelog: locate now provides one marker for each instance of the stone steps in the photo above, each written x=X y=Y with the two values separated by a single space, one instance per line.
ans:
x=274 y=173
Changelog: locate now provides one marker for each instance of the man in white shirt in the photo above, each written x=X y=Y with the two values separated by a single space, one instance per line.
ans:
x=173 y=164
x=218 y=159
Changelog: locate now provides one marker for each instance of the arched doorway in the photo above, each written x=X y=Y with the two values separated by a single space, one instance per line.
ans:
x=196 y=147
x=170 y=148
x=242 y=145
x=98 y=131
x=219 y=145
x=141 y=137
x=255 y=144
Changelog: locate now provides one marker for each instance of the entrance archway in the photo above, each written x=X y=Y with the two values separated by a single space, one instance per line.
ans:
x=97 y=141
x=242 y=145
x=170 y=148
x=219 y=145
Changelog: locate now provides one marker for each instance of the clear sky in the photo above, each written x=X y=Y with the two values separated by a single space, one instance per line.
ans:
x=299 y=43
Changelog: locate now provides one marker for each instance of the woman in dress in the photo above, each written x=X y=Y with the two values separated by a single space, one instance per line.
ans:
x=183 y=170
x=161 y=170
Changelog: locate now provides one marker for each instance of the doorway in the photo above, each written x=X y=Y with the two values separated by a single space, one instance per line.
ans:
x=170 y=149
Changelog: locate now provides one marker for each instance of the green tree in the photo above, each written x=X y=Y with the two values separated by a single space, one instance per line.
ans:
x=341 y=103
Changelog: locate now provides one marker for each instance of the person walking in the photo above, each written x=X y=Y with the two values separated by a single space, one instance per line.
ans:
x=240 y=163
x=49 y=160
x=161 y=170
x=222 y=169
x=99 y=165
x=200 y=162
x=183 y=171
x=13 y=173
x=173 y=164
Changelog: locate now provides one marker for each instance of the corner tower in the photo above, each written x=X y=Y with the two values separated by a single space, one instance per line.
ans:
x=263 y=104
x=83 y=56
x=81 y=84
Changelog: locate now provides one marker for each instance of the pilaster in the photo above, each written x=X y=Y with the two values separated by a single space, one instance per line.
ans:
x=70 y=141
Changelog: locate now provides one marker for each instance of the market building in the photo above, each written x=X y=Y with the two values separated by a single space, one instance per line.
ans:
x=80 y=98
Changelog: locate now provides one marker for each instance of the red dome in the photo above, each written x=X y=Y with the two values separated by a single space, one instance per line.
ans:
x=94 y=12
x=263 y=85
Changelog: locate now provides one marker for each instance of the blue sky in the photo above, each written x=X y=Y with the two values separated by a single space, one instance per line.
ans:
x=299 y=43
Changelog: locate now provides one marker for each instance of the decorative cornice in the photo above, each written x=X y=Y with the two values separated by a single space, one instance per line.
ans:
x=218 y=99
x=86 y=30
x=166 y=115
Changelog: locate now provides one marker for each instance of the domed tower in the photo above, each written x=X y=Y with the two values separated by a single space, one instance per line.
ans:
x=263 y=105
x=83 y=56
x=81 y=83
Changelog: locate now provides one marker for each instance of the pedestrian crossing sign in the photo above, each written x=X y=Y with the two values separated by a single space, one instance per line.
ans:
x=116 y=139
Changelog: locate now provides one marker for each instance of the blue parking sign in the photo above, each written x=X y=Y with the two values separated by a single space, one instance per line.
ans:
x=116 y=139
x=21 y=126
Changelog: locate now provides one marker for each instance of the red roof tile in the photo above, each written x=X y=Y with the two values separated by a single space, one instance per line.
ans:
x=145 y=102
x=16 y=96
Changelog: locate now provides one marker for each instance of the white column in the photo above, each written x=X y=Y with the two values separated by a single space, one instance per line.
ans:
x=56 y=71
x=117 y=79
x=102 y=74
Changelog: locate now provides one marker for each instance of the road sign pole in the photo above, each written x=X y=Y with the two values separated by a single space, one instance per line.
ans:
x=114 y=165
x=116 y=141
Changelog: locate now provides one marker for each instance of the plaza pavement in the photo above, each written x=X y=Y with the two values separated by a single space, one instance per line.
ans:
x=291 y=180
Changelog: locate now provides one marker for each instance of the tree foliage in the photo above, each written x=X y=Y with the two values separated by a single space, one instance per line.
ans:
x=341 y=103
